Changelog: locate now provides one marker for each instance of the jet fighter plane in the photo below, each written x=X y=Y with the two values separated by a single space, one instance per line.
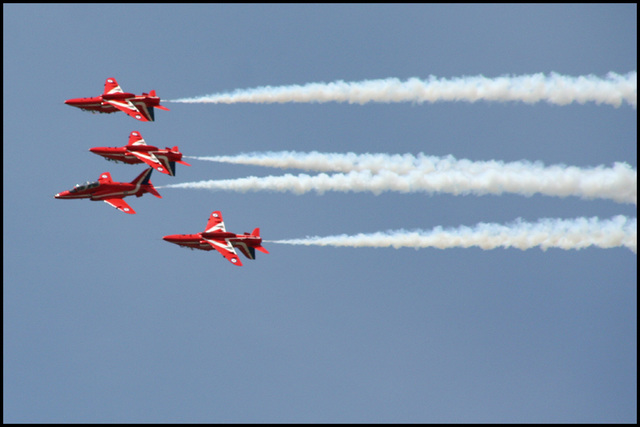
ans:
x=216 y=237
x=113 y=99
x=137 y=151
x=111 y=192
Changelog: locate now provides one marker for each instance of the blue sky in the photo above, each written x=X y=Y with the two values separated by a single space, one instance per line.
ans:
x=106 y=322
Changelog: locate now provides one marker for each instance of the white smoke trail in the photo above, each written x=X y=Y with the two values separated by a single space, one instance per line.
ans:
x=555 y=88
x=453 y=176
x=576 y=233
x=338 y=162
x=406 y=163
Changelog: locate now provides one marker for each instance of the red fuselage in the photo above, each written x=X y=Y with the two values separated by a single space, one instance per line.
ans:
x=99 y=105
x=123 y=154
x=215 y=236
x=113 y=98
x=97 y=191
x=112 y=192
x=196 y=241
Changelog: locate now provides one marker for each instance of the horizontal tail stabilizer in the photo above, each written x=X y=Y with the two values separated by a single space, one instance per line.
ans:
x=256 y=233
x=151 y=189
x=261 y=249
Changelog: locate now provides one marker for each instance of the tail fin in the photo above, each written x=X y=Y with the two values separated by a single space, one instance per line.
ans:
x=175 y=149
x=143 y=178
x=162 y=107
x=151 y=112
x=146 y=182
x=256 y=232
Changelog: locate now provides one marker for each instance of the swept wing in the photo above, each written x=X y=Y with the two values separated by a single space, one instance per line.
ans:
x=120 y=204
x=127 y=106
x=150 y=159
x=226 y=249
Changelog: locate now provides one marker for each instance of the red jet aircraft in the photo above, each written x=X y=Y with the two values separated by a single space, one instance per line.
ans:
x=113 y=99
x=137 y=151
x=216 y=237
x=111 y=192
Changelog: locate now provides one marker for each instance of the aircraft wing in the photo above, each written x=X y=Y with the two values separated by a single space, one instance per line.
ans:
x=150 y=159
x=226 y=249
x=120 y=204
x=111 y=86
x=130 y=109
x=136 y=139
x=105 y=178
x=215 y=222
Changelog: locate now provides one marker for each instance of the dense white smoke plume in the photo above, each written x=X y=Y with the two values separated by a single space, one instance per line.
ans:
x=406 y=173
x=576 y=233
x=614 y=89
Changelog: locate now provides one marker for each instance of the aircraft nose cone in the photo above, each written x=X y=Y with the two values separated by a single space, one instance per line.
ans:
x=73 y=102
x=173 y=238
x=57 y=195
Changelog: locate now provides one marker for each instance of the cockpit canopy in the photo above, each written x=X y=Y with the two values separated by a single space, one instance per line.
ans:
x=85 y=186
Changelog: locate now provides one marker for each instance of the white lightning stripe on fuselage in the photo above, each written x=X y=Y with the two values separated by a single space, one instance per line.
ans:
x=78 y=196
x=128 y=104
x=123 y=192
x=156 y=158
